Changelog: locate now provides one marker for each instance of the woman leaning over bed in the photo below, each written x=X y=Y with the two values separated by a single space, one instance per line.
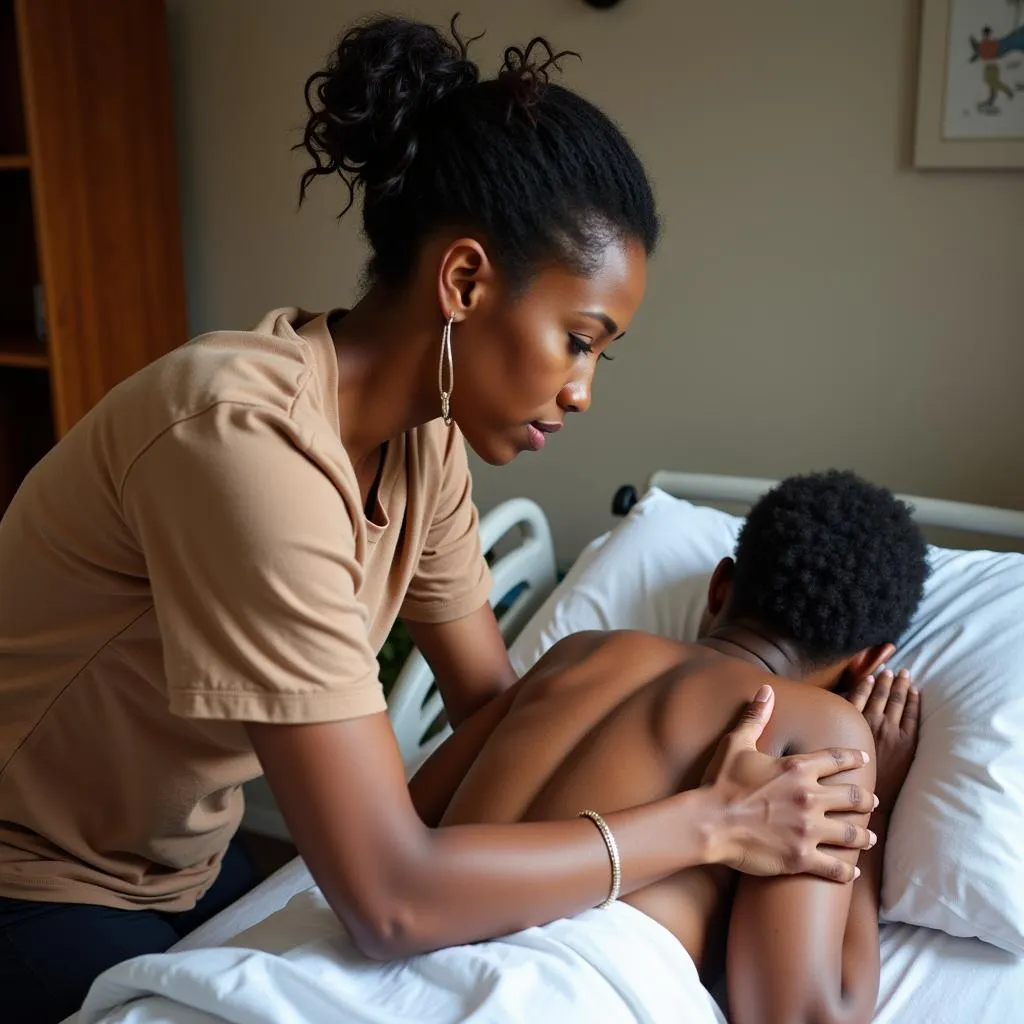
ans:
x=194 y=582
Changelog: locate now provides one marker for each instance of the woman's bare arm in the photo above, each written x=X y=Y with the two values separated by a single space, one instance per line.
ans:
x=401 y=888
x=468 y=659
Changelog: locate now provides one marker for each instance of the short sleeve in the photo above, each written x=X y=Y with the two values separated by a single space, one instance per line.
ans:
x=451 y=578
x=251 y=556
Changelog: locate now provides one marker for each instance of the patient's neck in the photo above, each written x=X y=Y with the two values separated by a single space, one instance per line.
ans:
x=751 y=642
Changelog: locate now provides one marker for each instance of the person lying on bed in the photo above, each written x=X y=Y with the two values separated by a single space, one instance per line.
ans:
x=828 y=572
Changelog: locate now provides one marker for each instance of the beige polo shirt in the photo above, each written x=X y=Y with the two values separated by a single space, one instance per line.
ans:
x=194 y=555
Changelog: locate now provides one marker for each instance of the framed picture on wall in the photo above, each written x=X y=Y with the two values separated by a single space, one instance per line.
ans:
x=970 y=102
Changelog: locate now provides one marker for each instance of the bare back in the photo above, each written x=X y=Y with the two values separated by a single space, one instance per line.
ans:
x=612 y=720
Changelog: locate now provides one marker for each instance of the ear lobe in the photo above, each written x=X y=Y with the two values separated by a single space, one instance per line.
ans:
x=720 y=586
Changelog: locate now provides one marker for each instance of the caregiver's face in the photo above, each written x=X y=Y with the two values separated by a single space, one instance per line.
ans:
x=531 y=357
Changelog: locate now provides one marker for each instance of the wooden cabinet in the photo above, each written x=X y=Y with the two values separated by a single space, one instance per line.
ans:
x=91 y=277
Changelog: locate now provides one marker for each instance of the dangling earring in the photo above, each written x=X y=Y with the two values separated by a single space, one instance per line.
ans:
x=446 y=354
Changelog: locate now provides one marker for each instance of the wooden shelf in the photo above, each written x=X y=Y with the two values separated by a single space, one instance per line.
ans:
x=24 y=352
x=15 y=162
x=96 y=187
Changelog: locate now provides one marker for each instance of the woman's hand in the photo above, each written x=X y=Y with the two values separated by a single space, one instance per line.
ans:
x=777 y=810
x=892 y=708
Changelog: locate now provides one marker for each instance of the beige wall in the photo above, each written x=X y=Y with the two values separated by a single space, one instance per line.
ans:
x=815 y=302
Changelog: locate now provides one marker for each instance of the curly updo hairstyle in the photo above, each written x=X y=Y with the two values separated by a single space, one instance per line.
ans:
x=830 y=562
x=401 y=113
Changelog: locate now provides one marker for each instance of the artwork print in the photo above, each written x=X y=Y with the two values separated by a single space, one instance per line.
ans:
x=984 y=87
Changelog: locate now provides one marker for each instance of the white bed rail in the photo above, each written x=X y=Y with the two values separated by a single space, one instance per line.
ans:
x=414 y=702
x=954 y=515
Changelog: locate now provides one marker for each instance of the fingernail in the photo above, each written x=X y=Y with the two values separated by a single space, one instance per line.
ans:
x=865 y=755
x=762 y=695
x=874 y=806
x=872 y=839
x=856 y=873
x=904 y=673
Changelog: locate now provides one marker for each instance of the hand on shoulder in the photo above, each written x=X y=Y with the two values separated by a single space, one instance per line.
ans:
x=779 y=813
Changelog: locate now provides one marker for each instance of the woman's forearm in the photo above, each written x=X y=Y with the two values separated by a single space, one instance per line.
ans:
x=471 y=882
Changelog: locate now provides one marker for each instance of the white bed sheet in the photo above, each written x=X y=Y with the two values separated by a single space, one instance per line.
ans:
x=928 y=977
x=266 y=899
x=616 y=966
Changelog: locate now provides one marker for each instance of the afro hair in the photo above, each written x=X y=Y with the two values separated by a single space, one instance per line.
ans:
x=830 y=562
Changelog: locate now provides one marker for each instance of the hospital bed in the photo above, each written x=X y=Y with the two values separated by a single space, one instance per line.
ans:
x=928 y=976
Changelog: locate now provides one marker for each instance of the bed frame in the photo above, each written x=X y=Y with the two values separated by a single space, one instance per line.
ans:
x=522 y=578
x=415 y=705
x=704 y=487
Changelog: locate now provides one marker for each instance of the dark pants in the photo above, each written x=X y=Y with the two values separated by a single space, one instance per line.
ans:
x=50 y=953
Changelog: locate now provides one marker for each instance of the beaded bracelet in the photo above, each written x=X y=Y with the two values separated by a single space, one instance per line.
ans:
x=613 y=856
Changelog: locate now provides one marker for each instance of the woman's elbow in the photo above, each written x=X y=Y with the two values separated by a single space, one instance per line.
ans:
x=386 y=933
x=386 y=917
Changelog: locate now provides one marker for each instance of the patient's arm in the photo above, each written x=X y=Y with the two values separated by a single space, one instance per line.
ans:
x=434 y=785
x=802 y=950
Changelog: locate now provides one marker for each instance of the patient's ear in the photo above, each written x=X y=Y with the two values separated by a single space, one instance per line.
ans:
x=868 y=662
x=720 y=586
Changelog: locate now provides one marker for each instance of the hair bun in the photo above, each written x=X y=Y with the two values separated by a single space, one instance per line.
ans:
x=525 y=72
x=366 y=105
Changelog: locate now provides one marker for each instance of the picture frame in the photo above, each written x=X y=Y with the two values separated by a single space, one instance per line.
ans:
x=970 y=102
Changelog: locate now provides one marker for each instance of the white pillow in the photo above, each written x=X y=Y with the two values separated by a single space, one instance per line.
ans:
x=954 y=854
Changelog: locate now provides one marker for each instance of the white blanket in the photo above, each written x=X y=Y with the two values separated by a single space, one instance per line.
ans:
x=614 y=965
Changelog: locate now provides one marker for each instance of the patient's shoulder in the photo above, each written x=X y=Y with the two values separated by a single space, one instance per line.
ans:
x=612 y=643
x=807 y=718
x=616 y=660
x=707 y=698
